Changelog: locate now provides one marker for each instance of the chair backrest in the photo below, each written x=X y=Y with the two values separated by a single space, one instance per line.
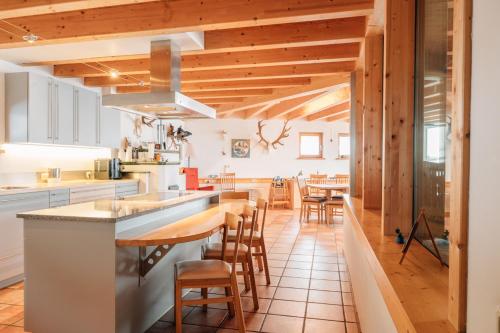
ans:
x=228 y=181
x=262 y=206
x=341 y=179
x=317 y=179
x=301 y=183
x=231 y=219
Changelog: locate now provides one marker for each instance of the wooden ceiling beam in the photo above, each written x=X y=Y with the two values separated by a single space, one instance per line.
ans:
x=223 y=100
x=213 y=61
x=246 y=84
x=343 y=116
x=274 y=72
x=256 y=111
x=284 y=107
x=204 y=94
x=330 y=111
x=325 y=32
x=163 y=17
x=19 y=8
x=271 y=72
x=325 y=101
x=317 y=85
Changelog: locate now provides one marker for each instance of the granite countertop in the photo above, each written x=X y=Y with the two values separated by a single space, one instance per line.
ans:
x=37 y=187
x=113 y=211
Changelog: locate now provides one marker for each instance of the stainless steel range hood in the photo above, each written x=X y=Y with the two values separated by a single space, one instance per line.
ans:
x=165 y=100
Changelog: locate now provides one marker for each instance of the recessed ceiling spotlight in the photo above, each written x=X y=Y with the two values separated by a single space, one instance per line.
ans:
x=30 y=38
x=114 y=74
x=141 y=83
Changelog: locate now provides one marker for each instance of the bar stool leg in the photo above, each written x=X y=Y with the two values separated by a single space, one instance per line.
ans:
x=264 y=257
x=230 y=305
x=252 y=281
x=237 y=305
x=204 y=294
x=178 y=307
x=246 y=278
x=259 y=259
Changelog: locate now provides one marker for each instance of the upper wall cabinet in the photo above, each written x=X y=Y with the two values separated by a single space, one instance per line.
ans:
x=109 y=128
x=40 y=109
x=86 y=110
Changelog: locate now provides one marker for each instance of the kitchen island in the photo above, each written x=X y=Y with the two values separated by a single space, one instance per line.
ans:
x=98 y=267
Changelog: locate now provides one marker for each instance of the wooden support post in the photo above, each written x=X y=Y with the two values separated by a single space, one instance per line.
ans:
x=356 y=129
x=398 y=116
x=372 y=122
x=460 y=147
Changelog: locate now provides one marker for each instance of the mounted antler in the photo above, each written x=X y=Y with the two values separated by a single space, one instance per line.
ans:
x=284 y=134
x=259 y=133
x=146 y=122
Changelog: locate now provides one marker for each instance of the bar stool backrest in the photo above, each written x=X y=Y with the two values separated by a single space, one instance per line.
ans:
x=262 y=206
x=231 y=219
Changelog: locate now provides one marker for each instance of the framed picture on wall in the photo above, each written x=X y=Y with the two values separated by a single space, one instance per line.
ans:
x=240 y=148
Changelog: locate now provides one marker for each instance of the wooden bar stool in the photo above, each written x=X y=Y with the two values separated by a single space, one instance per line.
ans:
x=258 y=242
x=228 y=182
x=213 y=250
x=211 y=273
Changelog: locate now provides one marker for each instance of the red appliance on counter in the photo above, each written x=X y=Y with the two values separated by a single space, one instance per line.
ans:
x=192 y=181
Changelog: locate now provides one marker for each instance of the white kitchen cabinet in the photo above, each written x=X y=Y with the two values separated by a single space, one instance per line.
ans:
x=62 y=107
x=86 y=110
x=39 y=109
x=11 y=232
x=126 y=189
x=91 y=193
x=109 y=128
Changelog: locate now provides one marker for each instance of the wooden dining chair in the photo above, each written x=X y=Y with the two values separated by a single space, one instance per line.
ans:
x=206 y=274
x=258 y=242
x=228 y=182
x=213 y=250
x=333 y=207
x=308 y=201
x=317 y=179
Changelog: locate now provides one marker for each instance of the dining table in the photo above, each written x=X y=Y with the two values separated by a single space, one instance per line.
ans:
x=329 y=188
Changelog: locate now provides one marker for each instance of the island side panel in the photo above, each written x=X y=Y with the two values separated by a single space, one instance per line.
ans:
x=70 y=276
x=140 y=302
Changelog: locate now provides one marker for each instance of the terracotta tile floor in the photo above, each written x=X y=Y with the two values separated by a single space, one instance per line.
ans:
x=310 y=289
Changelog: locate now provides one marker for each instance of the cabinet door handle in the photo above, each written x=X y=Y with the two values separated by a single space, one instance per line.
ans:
x=49 y=107
x=56 y=127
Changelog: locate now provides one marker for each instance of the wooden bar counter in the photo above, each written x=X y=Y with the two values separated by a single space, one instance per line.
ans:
x=411 y=297
x=108 y=265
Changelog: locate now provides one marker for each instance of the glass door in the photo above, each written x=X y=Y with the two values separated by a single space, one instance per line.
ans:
x=432 y=174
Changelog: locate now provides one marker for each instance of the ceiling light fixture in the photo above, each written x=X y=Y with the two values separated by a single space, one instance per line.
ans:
x=30 y=38
x=141 y=83
x=114 y=74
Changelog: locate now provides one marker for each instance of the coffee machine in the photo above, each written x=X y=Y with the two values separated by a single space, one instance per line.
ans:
x=107 y=169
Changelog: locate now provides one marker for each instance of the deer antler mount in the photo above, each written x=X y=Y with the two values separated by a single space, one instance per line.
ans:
x=284 y=134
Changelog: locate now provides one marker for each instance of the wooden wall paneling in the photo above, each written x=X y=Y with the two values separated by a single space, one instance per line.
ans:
x=460 y=163
x=372 y=122
x=356 y=126
x=399 y=57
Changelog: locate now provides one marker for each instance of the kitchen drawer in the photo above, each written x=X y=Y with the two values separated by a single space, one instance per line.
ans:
x=54 y=204
x=85 y=194
x=127 y=189
x=59 y=195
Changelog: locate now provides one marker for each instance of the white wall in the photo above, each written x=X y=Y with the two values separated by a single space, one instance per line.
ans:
x=484 y=218
x=207 y=143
